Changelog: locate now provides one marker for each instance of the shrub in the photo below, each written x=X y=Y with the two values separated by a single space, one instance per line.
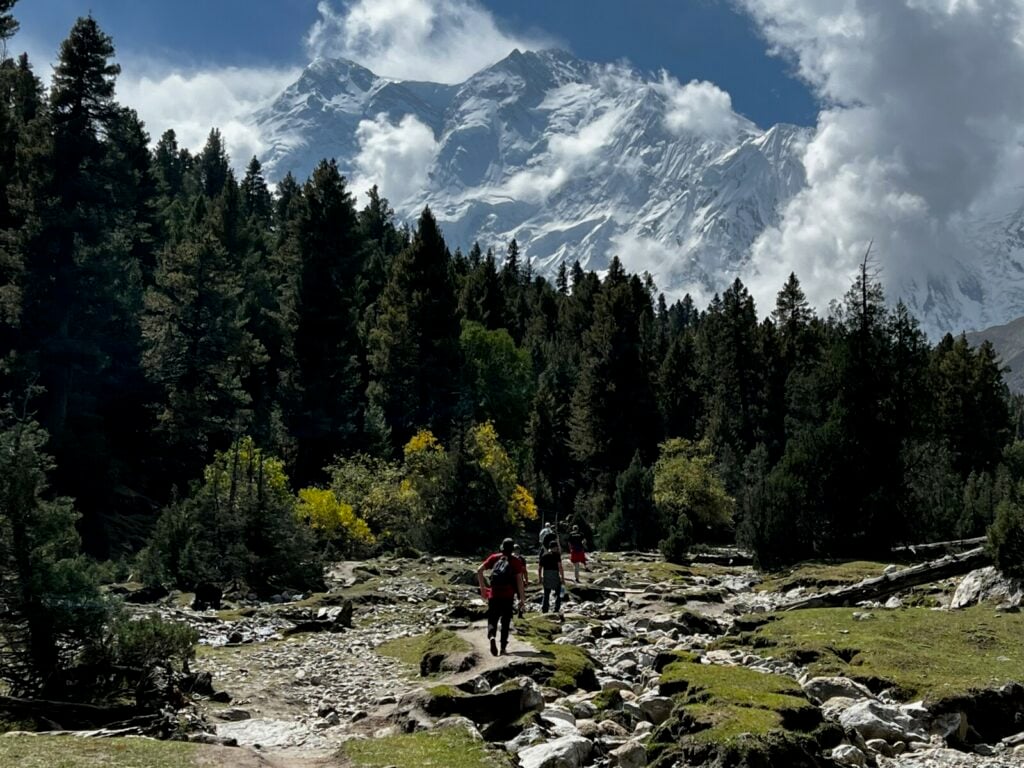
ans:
x=239 y=526
x=333 y=521
x=142 y=643
x=1006 y=539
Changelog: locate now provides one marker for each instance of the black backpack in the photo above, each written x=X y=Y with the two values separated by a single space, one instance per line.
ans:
x=502 y=574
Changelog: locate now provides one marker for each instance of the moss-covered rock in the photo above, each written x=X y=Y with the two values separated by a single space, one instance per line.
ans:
x=567 y=667
x=734 y=716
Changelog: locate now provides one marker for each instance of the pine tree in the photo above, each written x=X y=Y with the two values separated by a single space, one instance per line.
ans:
x=413 y=348
x=52 y=605
x=329 y=413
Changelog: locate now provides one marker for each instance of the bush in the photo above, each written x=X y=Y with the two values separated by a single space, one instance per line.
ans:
x=675 y=547
x=1006 y=539
x=149 y=641
x=239 y=526
x=334 y=522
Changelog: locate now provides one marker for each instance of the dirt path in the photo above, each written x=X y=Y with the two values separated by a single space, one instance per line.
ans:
x=476 y=636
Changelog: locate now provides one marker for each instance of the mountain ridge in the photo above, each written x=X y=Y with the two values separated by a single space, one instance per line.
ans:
x=583 y=161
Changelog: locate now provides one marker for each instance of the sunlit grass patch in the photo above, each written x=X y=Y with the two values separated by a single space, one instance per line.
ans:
x=924 y=653
x=71 y=752
x=444 y=748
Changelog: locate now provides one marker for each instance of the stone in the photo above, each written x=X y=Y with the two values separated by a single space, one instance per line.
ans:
x=881 y=747
x=987 y=584
x=528 y=737
x=234 y=714
x=630 y=755
x=643 y=728
x=615 y=685
x=821 y=689
x=611 y=728
x=874 y=720
x=655 y=708
x=564 y=752
x=847 y=754
x=584 y=709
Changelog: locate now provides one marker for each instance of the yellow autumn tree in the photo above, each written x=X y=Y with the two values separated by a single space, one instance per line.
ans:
x=333 y=520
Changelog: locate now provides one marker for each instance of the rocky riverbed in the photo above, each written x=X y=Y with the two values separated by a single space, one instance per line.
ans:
x=674 y=658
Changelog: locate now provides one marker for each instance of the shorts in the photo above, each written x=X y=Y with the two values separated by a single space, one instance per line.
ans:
x=577 y=556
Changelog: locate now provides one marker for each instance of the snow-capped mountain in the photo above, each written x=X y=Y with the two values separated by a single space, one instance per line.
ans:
x=578 y=160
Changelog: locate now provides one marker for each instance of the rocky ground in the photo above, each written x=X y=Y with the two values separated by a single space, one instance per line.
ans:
x=670 y=674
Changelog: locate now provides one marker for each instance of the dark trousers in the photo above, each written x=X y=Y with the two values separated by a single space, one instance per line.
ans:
x=552 y=583
x=499 y=609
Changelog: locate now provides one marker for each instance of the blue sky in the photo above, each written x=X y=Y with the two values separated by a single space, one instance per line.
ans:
x=691 y=39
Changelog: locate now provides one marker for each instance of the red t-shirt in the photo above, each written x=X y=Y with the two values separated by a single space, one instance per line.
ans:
x=505 y=590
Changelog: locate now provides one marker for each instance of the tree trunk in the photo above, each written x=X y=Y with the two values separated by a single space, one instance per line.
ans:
x=886 y=584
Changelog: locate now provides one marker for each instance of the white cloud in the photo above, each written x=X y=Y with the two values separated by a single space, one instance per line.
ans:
x=568 y=155
x=192 y=103
x=698 y=107
x=438 y=40
x=920 y=128
x=395 y=157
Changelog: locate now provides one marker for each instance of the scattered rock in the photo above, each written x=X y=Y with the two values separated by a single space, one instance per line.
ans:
x=564 y=752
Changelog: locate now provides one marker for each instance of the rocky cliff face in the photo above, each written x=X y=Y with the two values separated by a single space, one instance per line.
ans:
x=578 y=160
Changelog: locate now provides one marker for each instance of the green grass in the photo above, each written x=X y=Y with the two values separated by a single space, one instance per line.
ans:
x=573 y=668
x=444 y=748
x=410 y=650
x=924 y=653
x=729 y=701
x=820 y=575
x=71 y=752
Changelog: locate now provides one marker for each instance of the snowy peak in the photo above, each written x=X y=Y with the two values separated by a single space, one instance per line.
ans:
x=582 y=161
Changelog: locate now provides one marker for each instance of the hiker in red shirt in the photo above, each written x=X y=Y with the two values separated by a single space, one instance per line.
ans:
x=507 y=574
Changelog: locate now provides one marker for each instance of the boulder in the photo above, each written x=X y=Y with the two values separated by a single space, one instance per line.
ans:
x=630 y=755
x=564 y=752
x=821 y=689
x=508 y=702
x=987 y=585
x=873 y=720
x=847 y=754
x=655 y=708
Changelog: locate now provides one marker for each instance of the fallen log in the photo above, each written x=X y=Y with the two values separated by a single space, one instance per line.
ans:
x=939 y=546
x=888 y=583
x=70 y=715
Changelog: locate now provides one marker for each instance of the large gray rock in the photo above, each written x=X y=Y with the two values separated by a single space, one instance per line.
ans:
x=821 y=689
x=630 y=755
x=987 y=585
x=564 y=752
x=874 y=720
x=847 y=754
x=655 y=708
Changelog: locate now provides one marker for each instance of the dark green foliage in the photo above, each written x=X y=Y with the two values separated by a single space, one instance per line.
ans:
x=151 y=640
x=633 y=523
x=413 y=347
x=1006 y=538
x=53 y=610
x=238 y=526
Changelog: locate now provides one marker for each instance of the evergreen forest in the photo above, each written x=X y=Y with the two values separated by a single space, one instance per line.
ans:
x=207 y=378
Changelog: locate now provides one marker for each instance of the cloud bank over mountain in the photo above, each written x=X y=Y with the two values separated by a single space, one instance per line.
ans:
x=921 y=130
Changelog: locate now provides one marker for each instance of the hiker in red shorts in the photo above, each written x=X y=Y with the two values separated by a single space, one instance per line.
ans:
x=507 y=575
x=577 y=551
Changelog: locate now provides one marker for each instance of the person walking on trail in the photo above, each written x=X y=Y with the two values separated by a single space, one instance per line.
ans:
x=547 y=535
x=522 y=562
x=507 y=573
x=551 y=576
x=577 y=551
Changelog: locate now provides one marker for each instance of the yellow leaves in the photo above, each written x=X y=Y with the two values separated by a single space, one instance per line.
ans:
x=332 y=518
x=423 y=442
x=521 y=507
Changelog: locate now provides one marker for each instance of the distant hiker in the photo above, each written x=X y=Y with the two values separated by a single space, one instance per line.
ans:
x=551 y=576
x=577 y=550
x=507 y=573
x=547 y=535
x=522 y=561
